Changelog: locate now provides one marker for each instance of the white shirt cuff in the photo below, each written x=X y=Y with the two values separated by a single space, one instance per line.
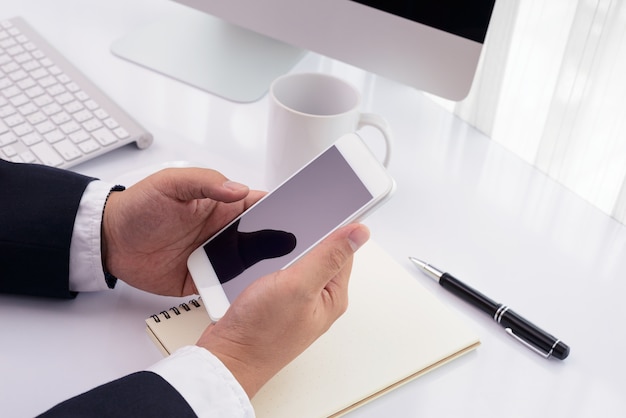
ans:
x=206 y=384
x=86 y=274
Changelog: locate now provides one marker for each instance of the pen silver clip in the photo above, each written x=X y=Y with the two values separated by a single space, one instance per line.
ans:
x=530 y=346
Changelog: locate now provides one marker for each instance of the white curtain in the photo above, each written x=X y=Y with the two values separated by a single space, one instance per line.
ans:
x=551 y=87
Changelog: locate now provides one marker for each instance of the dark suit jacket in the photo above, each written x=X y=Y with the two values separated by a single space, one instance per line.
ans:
x=38 y=206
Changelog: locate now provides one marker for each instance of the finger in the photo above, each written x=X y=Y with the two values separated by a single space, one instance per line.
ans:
x=253 y=197
x=199 y=183
x=329 y=257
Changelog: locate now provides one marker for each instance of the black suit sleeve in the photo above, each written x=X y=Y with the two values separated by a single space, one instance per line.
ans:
x=143 y=394
x=38 y=205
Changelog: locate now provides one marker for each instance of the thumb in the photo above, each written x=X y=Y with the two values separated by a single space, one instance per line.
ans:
x=326 y=260
x=187 y=184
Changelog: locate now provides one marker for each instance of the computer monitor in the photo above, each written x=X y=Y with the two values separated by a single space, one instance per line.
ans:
x=235 y=48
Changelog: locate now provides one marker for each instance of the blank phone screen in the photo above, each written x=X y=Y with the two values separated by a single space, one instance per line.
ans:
x=287 y=222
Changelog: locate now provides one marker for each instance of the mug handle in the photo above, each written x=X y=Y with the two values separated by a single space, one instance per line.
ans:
x=380 y=123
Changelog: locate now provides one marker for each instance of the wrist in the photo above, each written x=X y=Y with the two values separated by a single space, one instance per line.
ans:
x=249 y=367
x=250 y=377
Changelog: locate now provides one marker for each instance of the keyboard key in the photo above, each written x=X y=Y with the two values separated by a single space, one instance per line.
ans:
x=70 y=127
x=31 y=65
x=63 y=78
x=73 y=106
x=64 y=98
x=28 y=157
x=46 y=154
x=15 y=50
x=55 y=89
x=92 y=125
x=46 y=81
x=6 y=111
x=73 y=87
x=26 y=83
x=23 y=57
x=43 y=100
x=60 y=118
x=104 y=136
x=83 y=115
x=45 y=127
x=91 y=105
x=14 y=120
x=46 y=62
x=54 y=136
x=111 y=123
x=10 y=66
x=35 y=91
x=51 y=109
x=5 y=82
x=67 y=150
x=79 y=136
x=23 y=129
x=7 y=138
x=11 y=91
x=19 y=100
x=89 y=146
x=18 y=75
x=39 y=73
x=31 y=138
x=9 y=151
x=38 y=54
x=101 y=114
x=121 y=133
x=35 y=118
x=28 y=108
x=82 y=96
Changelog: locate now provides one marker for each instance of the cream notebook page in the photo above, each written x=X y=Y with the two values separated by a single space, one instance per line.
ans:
x=394 y=331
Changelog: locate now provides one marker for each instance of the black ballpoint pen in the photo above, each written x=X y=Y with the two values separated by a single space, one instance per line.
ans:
x=524 y=331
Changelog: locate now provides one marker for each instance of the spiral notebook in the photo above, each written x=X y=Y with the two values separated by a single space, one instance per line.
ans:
x=393 y=332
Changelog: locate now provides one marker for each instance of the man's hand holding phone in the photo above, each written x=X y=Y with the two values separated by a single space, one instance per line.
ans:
x=150 y=229
x=279 y=315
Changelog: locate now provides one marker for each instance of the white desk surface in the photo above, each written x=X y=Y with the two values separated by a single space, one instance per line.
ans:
x=463 y=203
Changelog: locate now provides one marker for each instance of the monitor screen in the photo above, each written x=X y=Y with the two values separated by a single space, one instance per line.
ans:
x=459 y=17
x=431 y=45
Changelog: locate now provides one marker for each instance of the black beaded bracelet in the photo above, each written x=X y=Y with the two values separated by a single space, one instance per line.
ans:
x=110 y=279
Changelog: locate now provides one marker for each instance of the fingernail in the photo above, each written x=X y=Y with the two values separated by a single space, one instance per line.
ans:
x=358 y=237
x=234 y=186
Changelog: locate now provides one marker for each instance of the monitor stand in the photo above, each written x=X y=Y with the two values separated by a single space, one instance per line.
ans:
x=208 y=53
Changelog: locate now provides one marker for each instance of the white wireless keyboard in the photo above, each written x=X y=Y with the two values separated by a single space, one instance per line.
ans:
x=50 y=113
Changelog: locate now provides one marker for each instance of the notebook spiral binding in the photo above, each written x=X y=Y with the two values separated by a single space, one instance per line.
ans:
x=195 y=303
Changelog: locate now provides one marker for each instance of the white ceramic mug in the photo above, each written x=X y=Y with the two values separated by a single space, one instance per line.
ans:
x=307 y=113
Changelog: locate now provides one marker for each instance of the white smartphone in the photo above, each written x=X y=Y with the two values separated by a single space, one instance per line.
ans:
x=341 y=185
